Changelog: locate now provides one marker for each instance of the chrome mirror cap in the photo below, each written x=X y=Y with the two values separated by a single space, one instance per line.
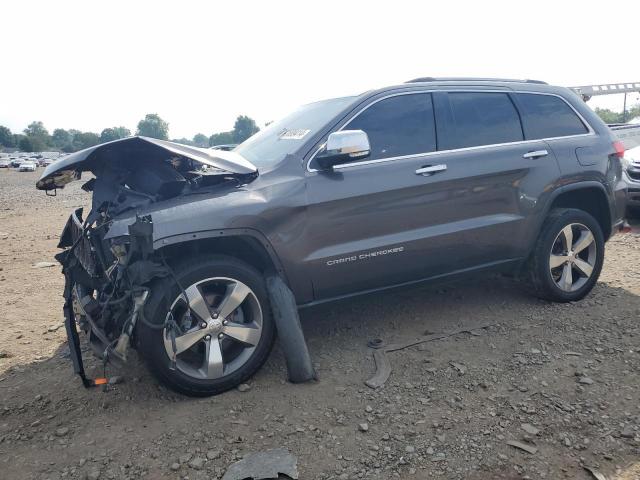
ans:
x=343 y=147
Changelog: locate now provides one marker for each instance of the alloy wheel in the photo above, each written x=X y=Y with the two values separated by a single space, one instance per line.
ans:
x=217 y=328
x=573 y=257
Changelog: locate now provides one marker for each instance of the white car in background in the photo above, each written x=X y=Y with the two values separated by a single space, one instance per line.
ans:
x=27 y=167
x=631 y=165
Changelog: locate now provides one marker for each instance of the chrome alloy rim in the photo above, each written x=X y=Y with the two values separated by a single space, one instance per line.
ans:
x=573 y=257
x=219 y=326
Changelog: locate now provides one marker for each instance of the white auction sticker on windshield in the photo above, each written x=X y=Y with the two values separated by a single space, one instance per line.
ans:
x=294 y=134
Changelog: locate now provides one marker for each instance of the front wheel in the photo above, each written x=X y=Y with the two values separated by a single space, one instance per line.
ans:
x=568 y=257
x=216 y=337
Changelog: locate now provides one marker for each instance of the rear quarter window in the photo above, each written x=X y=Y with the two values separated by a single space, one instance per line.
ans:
x=547 y=116
x=483 y=119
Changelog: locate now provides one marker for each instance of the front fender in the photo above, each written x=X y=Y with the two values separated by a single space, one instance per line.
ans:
x=224 y=233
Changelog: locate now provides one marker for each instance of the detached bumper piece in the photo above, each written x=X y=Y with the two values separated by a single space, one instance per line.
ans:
x=290 y=334
x=72 y=236
x=74 y=339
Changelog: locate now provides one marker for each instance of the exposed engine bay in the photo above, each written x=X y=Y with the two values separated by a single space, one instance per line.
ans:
x=107 y=280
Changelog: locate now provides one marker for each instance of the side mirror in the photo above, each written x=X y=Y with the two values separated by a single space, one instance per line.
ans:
x=343 y=147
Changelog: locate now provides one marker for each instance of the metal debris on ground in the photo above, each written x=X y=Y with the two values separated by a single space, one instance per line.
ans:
x=596 y=474
x=264 y=465
x=383 y=366
x=43 y=264
x=459 y=367
x=530 y=429
x=523 y=446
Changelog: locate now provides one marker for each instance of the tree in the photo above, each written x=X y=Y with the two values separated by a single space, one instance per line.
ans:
x=17 y=138
x=31 y=144
x=36 y=129
x=84 y=140
x=61 y=138
x=115 y=133
x=182 y=141
x=6 y=137
x=153 y=126
x=609 y=116
x=244 y=128
x=633 y=112
x=200 y=140
x=38 y=138
x=222 y=138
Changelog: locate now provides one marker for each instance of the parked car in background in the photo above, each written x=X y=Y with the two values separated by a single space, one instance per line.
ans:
x=225 y=148
x=5 y=163
x=631 y=163
x=15 y=162
x=28 y=166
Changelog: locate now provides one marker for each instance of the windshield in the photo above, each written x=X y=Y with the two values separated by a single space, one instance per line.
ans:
x=285 y=136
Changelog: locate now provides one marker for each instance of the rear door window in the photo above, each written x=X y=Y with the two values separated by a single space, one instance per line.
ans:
x=483 y=119
x=548 y=116
x=398 y=126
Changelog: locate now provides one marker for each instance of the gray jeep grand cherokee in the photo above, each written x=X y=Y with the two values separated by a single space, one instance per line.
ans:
x=414 y=182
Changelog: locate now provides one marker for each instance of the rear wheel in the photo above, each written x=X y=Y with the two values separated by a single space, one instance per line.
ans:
x=568 y=257
x=219 y=335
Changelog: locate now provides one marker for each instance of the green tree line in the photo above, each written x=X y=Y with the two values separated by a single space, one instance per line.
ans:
x=609 y=116
x=36 y=138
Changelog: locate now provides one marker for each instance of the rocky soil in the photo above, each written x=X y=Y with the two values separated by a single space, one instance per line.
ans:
x=563 y=380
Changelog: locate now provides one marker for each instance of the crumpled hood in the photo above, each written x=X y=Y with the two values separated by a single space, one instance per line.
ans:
x=133 y=149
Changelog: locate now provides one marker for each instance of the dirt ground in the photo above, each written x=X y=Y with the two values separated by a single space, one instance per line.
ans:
x=561 y=378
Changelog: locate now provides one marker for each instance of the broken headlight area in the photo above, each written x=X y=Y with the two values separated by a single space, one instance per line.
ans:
x=106 y=285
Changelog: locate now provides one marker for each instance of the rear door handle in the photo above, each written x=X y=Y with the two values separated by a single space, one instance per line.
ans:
x=536 y=154
x=430 y=169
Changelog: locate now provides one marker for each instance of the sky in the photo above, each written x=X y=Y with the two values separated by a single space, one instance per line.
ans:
x=199 y=64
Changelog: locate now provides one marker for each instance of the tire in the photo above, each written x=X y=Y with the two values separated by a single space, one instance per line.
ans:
x=551 y=266
x=214 y=280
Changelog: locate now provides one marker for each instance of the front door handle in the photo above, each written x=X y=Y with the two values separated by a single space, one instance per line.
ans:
x=536 y=154
x=430 y=169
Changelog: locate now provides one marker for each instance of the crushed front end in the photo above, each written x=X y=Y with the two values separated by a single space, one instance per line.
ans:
x=106 y=287
x=108 y=278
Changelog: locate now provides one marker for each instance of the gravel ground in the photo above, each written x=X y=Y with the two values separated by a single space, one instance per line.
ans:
x=562 y=379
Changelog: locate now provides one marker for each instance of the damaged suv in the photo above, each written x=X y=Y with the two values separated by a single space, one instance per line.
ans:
x=427 y=180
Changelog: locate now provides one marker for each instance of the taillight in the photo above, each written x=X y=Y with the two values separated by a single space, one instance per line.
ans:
x=619 y=148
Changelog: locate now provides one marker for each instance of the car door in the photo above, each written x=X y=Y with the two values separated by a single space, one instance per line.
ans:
x=366 y=218
x=494 y=177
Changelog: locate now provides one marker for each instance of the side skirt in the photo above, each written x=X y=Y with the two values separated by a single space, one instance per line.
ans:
x=507 y=266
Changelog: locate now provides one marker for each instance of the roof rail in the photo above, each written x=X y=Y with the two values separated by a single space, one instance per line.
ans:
x=477 y=79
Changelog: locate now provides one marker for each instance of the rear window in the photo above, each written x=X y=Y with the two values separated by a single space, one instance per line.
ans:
x=484 y=119
x=397 y=126
x=547 y=116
